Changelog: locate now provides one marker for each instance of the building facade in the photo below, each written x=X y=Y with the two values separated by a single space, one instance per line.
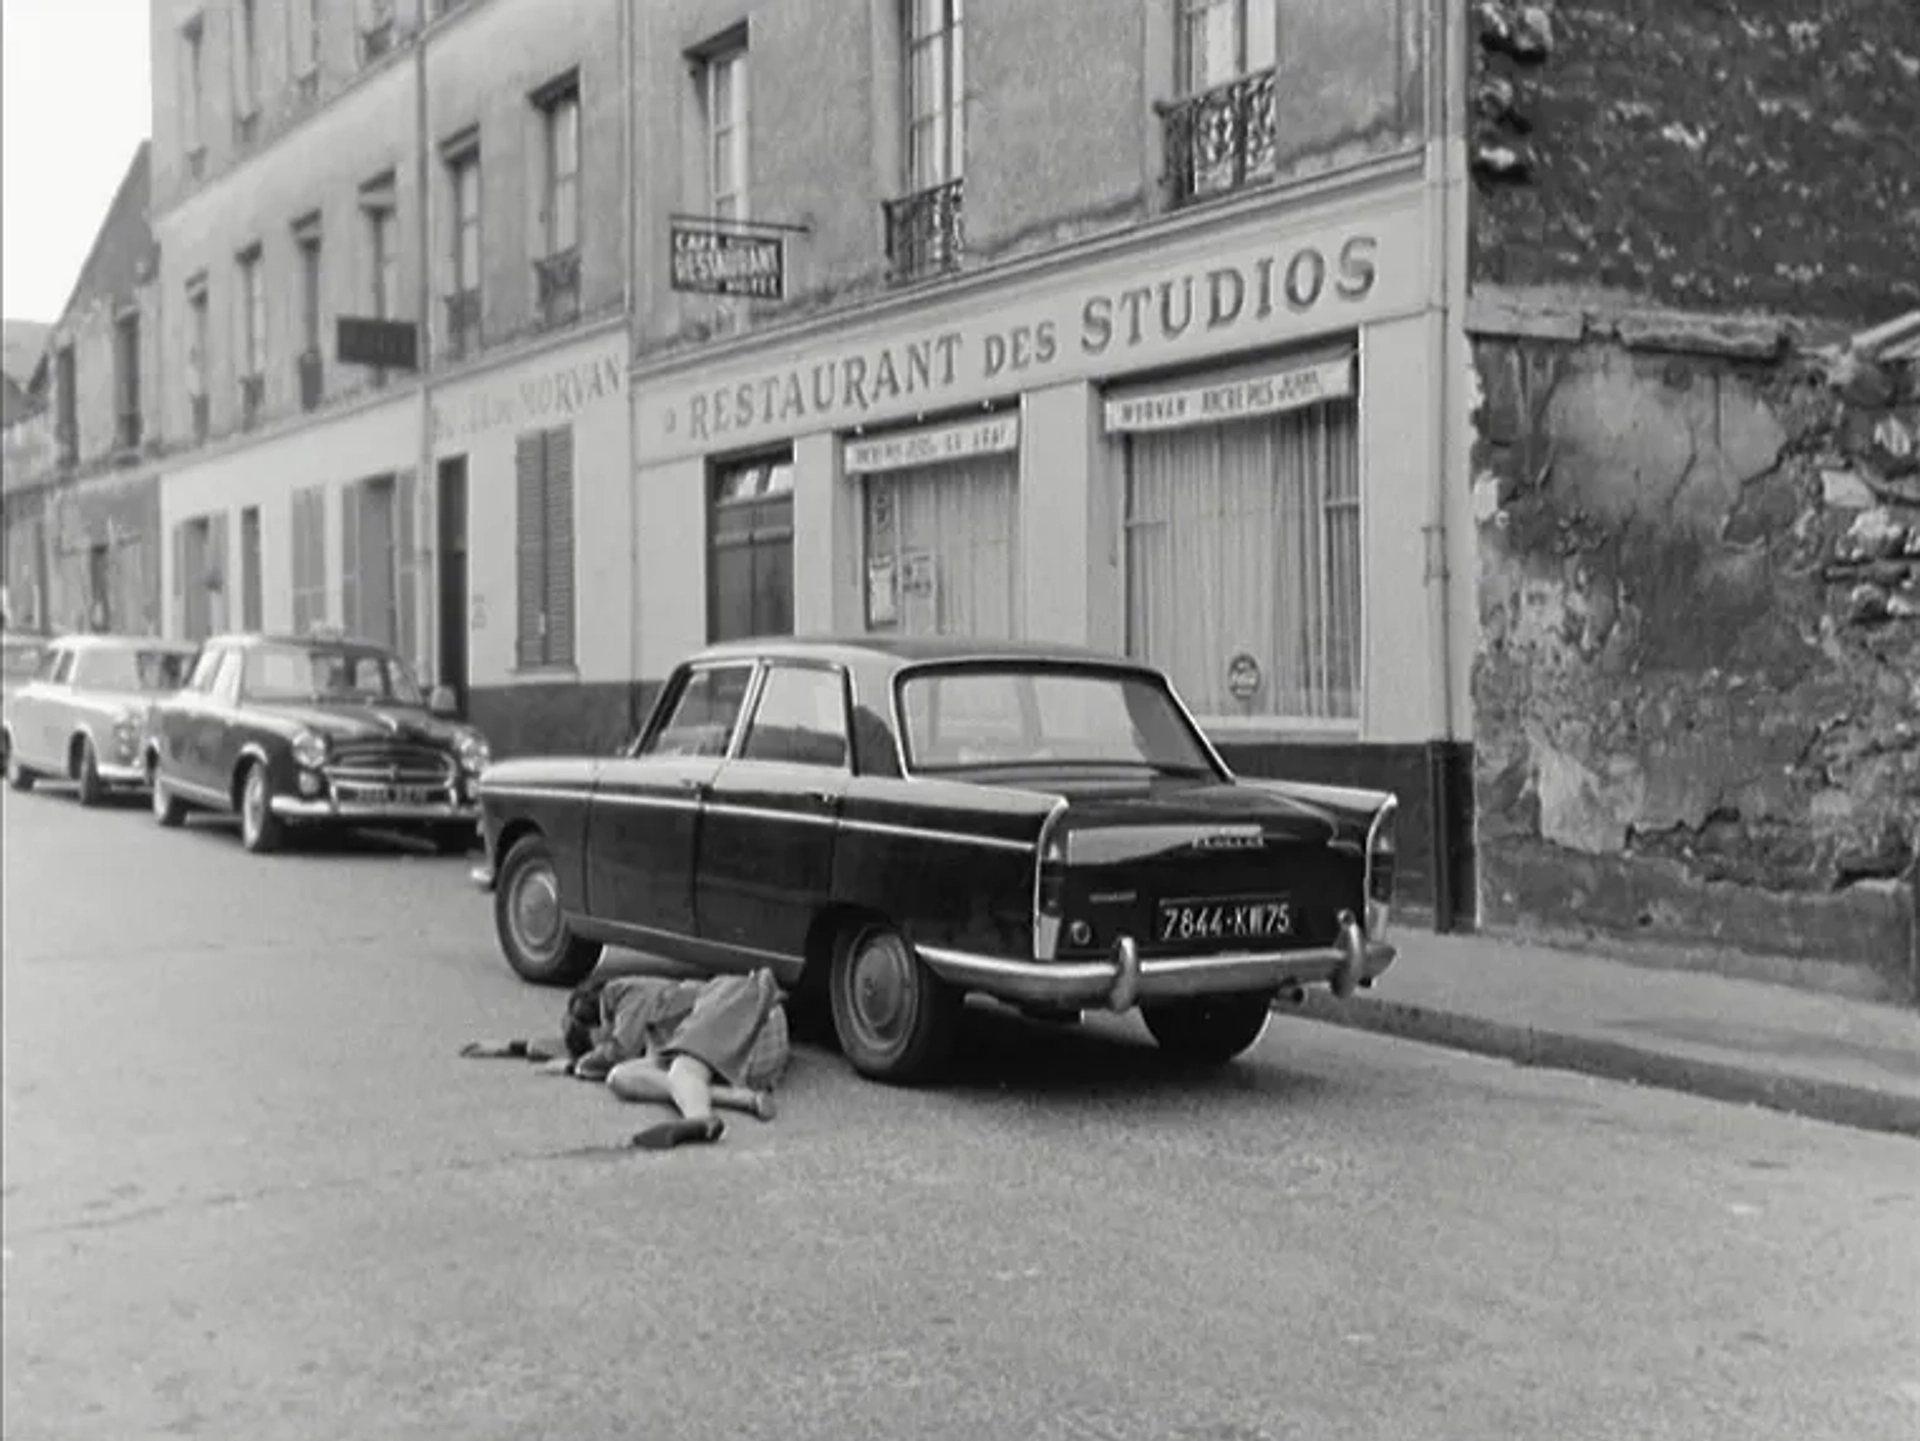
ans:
x=83 y=472
x=457 y=167
x=1119 y=325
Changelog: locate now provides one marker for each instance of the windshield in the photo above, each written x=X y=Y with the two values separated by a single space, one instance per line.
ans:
x=974 y=717
x=328 y=675
x=130 y=670
x=22 y=659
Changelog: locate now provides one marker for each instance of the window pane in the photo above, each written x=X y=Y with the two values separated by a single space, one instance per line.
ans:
x=801 y=719
x=978 y=716
x=703 y=717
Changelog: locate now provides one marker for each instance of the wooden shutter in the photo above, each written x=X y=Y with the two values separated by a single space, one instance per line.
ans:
x=405 y=566
x=350 y=559
x=530 y=484
x=179 y=626
x=558 y=550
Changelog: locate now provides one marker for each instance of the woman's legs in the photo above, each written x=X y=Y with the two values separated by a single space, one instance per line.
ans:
x=687 y=1085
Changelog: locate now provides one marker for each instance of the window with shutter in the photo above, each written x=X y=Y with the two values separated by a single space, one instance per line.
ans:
x=350 y=561
x=530 y=473
x=544 y=476
x=404 y=568
x=557 y=547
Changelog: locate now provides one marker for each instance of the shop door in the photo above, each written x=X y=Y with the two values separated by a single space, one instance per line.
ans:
x=750 y=553
x=451 y=583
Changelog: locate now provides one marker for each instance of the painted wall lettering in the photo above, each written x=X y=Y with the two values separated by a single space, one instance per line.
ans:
x=554 y=394
x=1255 y=292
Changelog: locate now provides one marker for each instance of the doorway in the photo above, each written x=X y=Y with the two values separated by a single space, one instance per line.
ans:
x=451 y=589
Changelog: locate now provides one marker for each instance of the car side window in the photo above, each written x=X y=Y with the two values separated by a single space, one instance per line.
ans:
x=704 y=713
x=800 y=718
x=226 y=680
x=205 y=667
x=59 y=669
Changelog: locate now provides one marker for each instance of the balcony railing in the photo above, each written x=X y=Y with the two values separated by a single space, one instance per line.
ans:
x=1222 y=139
x=196 y=161
x=308 y=86
x=127 y=431
x=375 y=40
x=253 y=398
x=199 y=416
x=926 y=231
x=311 y=379
x=463 y=324
x=246 y=128
x=557 y=283
x=66 y=442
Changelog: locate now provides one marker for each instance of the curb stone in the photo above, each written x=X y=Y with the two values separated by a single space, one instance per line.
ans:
x=1839 y=1103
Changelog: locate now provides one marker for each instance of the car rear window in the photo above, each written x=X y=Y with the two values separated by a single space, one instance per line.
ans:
x=975 y=716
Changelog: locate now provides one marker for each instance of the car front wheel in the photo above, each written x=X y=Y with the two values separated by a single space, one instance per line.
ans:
x=528 y=920
x=92 y=790
x=895 y=1018
x=1208 y=1030
x=260 y=829
x=168 y=809
x=18 y=776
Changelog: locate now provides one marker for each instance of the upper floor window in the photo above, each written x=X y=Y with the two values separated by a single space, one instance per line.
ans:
x=306 y=241
x=1221 y=134
x=376 y=28
x=463 y=284
x=924 y=227
x=246 y=66
x=303 y=39
x=380 y=208
x=197 y=358
x=126 y=379
x=66 y=425
x=936 y=93
x=192 y=89
x=557 y=264
x=1221 y=40
x=726 y=105
x=253 y=334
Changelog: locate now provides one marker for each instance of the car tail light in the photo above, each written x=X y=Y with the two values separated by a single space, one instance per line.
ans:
x=1049 y=886
x=1381 y=856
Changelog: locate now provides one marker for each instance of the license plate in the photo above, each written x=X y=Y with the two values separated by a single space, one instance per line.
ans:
x=393 y=795
x=1234 y=918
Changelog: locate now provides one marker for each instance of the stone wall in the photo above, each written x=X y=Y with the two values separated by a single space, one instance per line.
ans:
x=1705 y=154
x=1698 y=690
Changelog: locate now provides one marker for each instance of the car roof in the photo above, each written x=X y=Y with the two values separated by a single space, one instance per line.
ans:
x=266 y=637
x=97 y=640
x=912 y=650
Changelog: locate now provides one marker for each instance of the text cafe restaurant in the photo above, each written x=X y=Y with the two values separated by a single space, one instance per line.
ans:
x=1215 y=449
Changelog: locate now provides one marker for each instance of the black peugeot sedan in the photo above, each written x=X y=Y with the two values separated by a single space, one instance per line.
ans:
x=319 y=730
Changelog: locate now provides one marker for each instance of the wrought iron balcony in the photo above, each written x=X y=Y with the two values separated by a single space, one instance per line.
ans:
x=200 y=415
x=557 y=282
x=1222 y=139
x=127 y=430
x=308 y=86
x=463 y=324
x=926 y=233
x=196 y=161
x=311 y=379
x=375 y=40
x=66 y=441
x=253 y=399
x=246 y=128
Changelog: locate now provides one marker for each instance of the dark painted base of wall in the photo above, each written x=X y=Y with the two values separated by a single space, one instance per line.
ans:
x=1862 y=942
x=1434 y=781
x=560 y=717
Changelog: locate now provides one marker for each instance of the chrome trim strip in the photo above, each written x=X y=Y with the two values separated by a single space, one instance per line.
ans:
x=641 y=801
x=207 y=795
x=957 y=838
x=637 y=932
x=1046 y=929
x=533 y=793
x=298 y=808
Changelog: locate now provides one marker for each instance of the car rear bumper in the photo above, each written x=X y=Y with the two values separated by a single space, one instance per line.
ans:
x=482 y=876
x=1125 y=978
x=115 y=774
x=319 y=808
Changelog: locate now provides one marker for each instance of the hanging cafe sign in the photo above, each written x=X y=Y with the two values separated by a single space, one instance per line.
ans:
x=736 y=259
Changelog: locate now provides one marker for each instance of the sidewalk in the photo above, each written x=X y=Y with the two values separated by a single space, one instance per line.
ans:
x=1853 y=1063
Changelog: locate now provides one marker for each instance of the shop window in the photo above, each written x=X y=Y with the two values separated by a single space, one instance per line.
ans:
x=543 y=461
x=309 y=558
x=750 y=550
x=1242 y=557
x=942 y=549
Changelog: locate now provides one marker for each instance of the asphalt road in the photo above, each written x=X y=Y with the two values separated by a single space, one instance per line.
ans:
x=251 y=1192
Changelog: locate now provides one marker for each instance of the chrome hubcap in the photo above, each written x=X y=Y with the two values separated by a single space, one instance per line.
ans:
x=253 y=811
x=159 y=797
x=536 y=910
x=884 y=991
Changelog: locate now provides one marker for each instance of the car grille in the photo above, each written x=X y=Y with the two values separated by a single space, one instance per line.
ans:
x=382 y=763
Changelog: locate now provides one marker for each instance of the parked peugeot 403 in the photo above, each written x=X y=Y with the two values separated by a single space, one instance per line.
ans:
x=313 y=731
x=82 y=715
x=896 y=824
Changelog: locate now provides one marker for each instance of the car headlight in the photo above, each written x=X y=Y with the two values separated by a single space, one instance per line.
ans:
x=310 y=750
x=473 y=751
x=126 y=732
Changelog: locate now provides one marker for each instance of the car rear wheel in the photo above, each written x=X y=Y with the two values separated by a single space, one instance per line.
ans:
x=527 y=919
x=260 y=829
x=168 y=809
x=895 y=1018
x=92 y=790
x=18 y=776
x=1208 y=1030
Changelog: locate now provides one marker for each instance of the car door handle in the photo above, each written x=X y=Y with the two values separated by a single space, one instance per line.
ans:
x=822 y=798
x=691 y=783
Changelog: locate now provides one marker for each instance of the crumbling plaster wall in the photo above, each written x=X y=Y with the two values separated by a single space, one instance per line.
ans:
x=1700 y=612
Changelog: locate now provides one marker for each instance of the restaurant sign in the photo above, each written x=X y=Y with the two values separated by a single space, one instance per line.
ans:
x=995 y=435
x=1290 y=389
x=1234 y=294
x=715 y=259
